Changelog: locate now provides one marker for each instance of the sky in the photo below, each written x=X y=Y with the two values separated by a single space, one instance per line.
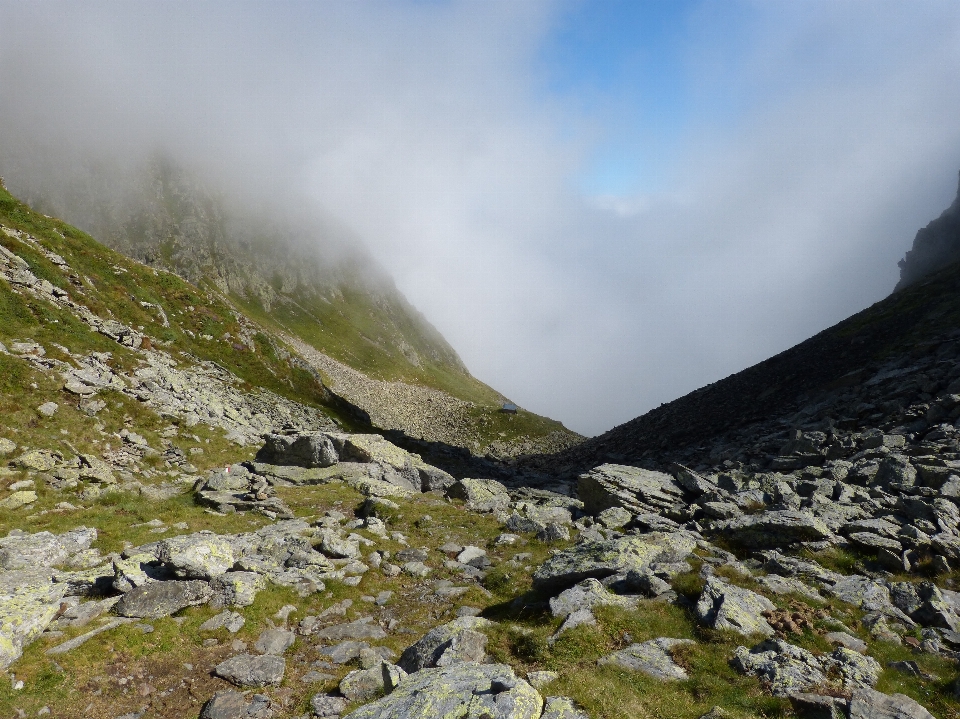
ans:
x=602 y=205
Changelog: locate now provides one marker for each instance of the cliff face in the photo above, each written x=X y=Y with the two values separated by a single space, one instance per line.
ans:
x=935 y=246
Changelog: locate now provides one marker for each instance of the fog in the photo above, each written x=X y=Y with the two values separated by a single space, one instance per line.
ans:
x=818 y=138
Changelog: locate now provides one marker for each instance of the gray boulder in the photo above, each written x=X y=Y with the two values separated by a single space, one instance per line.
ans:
x=203 y=555
x=784 y=668
x=308 y=450
x=274 y=641
x=599 y=559
x=461 y=690
x=586 y=595
x=161 y=599
x=724 y=606
x=250 y=670
x=631 y=488
x=458 y=641
x=651 y=658
x=19 y=550
x=481 y=495
x=359 y=629
x=236 y=589
x=29 y=601
x=561 y=708
x=870 y=704
x=230 y=704
x=324 y=705
x=774 y=529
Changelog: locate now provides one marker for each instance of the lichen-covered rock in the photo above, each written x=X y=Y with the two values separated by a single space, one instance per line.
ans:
x=561 y=708
x=651 y=658
x=19 y=550
x=724 y=606
x=236 y=589
x=776 y=528
x=250 y=670
x=29 y=601
x=20 y=498
x=203 y=555
x=38 y=460
x=460 y=691
x=599 y=559
x=785 y=668
x=161 y=599
x=856 y=670
x=871 y=704
x=635 y=490
x=230 y=704
x=586 y=595
x=481 y=495
x=459 y=640
x=365 y=684
x=308 y=450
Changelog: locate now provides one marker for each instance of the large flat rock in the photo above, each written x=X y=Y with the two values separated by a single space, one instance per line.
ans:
x=773 y=529
x=601 y=559
x=467 y=691
x=632 y=488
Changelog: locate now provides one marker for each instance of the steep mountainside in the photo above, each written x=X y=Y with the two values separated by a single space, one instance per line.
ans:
x=838 y=375
x=312 y=285
x=936 y=246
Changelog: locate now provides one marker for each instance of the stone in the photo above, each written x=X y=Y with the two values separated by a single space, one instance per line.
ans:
x=614 y=517
x=359 y=629
x=480 y=495
x=19 y=499
x=785 y=668
x=870 y=704
x=324 y=705
x=308 y=450
x=230 y=704
x=7 y=447
x=231 y=621
x=600 y=559
x=161 y=599
x=817 y=706
x=469 y=553
x=561 y=708
x=856 y=669
x=775 y=528
x=48 y=409
x=788 y=585
x=236 y=589
x=366 y=684
x=538 y=680
x=724 y=606
x=43 y=549
x=456 y=641
x=874 y=542
x=847 y=640
x=344 y=651
x=275 y=641
x=197 y=556
x=651 y=658
x=461 y=690
x=37 y=460
x=554 y=532
x=586 y=595
x=250 y=670
x=29 y=601
x=630 y=488
x=96 y=470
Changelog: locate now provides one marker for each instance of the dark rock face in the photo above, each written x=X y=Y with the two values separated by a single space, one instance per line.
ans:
x=936 y=246
x=161 y=599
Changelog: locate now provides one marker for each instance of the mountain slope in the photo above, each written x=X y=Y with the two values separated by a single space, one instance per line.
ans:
x=935 y=246
x=310 y=283
x=815 y=380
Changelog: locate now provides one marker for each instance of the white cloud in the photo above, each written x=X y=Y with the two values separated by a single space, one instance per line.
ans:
x=820 y=143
